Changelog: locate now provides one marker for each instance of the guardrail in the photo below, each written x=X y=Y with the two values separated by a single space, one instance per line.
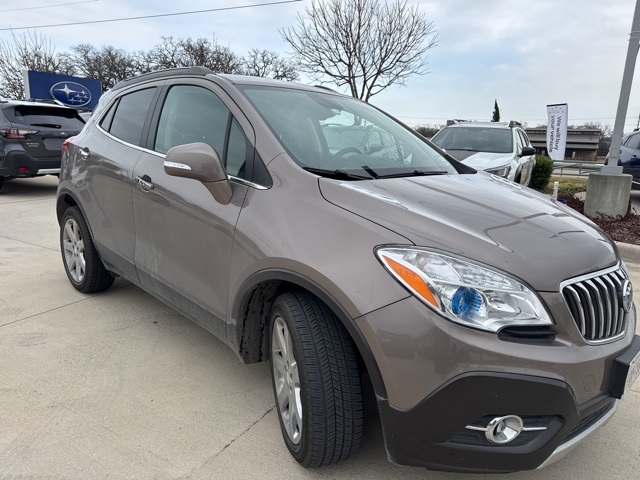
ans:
x=583 y=168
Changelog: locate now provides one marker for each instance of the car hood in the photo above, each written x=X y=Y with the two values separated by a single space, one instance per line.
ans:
x=481 y=160
x=483 y=218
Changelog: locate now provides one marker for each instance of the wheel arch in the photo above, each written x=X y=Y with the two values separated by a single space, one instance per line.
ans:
x=250 y=316
x=65 y=200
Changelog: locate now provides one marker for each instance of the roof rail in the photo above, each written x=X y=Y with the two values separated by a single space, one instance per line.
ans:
x=454 y=121
x=168 y=72
x=324 y=87
x=513 y=123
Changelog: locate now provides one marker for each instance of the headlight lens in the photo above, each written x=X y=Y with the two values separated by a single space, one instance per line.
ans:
x=502 y=171
x=464 y=292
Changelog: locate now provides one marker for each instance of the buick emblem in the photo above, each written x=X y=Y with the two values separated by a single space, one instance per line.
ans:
x=626 y=294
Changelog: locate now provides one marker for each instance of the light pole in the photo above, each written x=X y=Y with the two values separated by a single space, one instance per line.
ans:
x=625 y=92
x=608 y=191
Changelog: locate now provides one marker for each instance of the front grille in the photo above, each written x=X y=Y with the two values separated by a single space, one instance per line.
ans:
x=595 y=303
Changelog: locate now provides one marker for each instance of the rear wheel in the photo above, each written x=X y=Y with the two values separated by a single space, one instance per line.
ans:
x=79 y=256
x=316 y=381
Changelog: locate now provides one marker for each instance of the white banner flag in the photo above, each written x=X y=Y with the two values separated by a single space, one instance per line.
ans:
x=557 y=130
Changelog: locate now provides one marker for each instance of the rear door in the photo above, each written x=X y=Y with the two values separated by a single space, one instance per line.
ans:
x=42 y=129
x=107 y=154
x=184 y=237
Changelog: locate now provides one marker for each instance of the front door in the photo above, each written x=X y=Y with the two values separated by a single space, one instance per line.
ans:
x=184 y=237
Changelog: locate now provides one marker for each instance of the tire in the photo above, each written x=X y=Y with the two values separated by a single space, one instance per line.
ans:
x=316 y=381
x=81 y=261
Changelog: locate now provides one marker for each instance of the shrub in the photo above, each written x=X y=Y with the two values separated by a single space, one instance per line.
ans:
x=567 y=186
x=541 y=173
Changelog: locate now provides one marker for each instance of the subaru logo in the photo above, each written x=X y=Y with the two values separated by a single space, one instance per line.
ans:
x=626 y=294
x=71 y=93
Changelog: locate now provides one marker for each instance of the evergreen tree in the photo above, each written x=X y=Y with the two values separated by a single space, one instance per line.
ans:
x=496 y=112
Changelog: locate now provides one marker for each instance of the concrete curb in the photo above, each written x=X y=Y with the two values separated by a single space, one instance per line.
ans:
x=629 y=252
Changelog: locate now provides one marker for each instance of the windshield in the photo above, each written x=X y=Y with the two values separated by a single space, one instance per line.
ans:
x=327 y=133
x=475 y=139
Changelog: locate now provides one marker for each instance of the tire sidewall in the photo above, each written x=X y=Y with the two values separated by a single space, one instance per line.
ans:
x=298 y=451
x=75 y=214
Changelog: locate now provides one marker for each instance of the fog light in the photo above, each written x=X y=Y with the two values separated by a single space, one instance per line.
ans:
x=504 y=429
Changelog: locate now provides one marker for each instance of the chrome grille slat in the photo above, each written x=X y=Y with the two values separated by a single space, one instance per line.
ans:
x=576 y=306
x=613 y=295
x=598 y=308
x=593 y=301
x=590 y=310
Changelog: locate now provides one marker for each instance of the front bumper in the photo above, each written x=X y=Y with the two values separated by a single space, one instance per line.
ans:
x=441 y=378
x=434 y=433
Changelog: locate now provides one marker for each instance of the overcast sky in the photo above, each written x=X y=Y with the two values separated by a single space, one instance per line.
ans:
x=525 y=54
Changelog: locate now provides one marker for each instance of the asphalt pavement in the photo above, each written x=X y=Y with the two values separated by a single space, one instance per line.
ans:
x=117 y=385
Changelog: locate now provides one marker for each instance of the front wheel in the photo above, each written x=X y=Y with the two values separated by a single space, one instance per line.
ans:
x=79 y=256
x=316 y=381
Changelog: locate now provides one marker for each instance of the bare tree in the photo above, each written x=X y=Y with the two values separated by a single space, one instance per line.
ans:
x=428 y=131
x=264 y=63
x=367 y=45
x=173 y=53
x=107 y=64
x=29 y=51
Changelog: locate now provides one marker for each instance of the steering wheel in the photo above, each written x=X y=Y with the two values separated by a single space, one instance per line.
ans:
x=344 y=151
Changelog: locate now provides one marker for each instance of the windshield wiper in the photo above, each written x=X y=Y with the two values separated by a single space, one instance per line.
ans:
x=414 y=173
x=51 y=125
x=337 y=174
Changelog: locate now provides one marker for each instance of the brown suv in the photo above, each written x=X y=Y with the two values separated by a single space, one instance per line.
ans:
x=310 y=229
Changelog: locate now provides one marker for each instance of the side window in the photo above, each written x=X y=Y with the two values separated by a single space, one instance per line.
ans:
x=634 y=142
x=194 y=114
x=130 y=114
x=519 y=143
x=236 y=151
x=525 y=139
x=105 y=123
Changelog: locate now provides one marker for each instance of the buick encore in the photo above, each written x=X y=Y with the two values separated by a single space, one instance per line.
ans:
x=313 y=231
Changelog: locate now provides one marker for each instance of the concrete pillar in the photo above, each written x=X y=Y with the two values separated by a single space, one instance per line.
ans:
x=607 y=194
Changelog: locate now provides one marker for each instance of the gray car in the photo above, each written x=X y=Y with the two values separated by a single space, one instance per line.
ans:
x=309 y=229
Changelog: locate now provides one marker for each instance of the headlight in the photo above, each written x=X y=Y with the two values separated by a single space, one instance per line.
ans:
x=468 y=294
x=502 y=171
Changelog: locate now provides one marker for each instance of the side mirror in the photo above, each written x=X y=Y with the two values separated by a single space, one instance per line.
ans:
x=200 y=161
x=527 y=151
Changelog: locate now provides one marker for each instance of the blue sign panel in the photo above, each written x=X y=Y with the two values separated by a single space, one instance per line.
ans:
x=66 y=89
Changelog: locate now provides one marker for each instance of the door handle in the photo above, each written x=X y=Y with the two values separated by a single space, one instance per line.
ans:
x=84 y=153
x=144 y=182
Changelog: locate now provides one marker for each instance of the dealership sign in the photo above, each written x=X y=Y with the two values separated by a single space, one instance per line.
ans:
x=64 y=89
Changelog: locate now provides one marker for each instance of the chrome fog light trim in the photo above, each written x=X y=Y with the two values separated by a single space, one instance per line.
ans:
x=505 y=429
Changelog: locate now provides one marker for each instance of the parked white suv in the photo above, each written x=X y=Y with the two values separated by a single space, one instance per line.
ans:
x=499 y=148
